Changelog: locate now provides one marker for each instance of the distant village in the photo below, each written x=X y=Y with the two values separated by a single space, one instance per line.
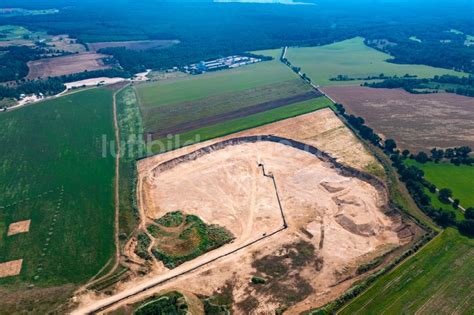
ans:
x=220 y=64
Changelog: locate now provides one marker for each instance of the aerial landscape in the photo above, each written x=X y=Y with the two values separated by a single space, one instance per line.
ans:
x=236 y=157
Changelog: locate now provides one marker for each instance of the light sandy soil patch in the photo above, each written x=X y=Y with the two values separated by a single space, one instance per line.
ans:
x=340 y=217
x=19 y=227
x=93 y=82
x=416 y=121
x=57 y=66
x=10 y=268
x=142 y=76
x=29 y=99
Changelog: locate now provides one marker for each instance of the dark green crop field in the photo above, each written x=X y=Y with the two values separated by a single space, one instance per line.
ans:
x=439 y=279
x=53 y=173
x=184 y=116
x=235 y=125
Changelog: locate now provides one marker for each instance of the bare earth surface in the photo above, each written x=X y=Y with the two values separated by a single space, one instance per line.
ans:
x=57 y=66
x=93 y=82
x=340 y=217
x=416 y=121
x=10 y=268
x=19 y=227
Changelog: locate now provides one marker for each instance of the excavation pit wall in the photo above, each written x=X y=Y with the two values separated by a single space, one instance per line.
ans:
x=344 y=170
x=334 y=274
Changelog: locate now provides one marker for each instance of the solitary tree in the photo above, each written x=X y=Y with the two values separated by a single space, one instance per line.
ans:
x=390 y=145
x=421 y=157
x=456 y=203
x=469 y=214
x=445 y=194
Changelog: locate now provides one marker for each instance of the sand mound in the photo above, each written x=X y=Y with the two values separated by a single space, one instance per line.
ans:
x=19 y=227
x=10 y=268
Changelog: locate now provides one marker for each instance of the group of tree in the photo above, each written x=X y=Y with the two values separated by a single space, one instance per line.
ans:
x=381 y=76
x=457 y=155
x=358 y=123
x=295 y=69
x=458 y=85
x=416 y=184
x=413 y=177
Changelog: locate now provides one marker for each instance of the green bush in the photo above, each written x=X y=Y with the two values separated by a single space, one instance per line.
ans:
x=257 y=280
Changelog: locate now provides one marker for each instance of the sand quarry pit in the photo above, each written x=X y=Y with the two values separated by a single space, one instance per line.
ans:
x=337 y=219
x=19 y=227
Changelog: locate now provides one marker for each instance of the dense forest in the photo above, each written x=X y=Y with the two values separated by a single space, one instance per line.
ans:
x=209 y=30
x=13 y=61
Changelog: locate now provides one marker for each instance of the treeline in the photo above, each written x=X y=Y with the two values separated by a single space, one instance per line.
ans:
x=465 y=84
x=412 y=176
x=295 y=69
x=55 y=85
x=46 y=87
x=345 y=77
x=457 y=156
x=358 y=123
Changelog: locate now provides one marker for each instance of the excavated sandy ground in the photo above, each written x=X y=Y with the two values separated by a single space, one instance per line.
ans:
x=19 y=227
x=227 y=187
x=10 y=268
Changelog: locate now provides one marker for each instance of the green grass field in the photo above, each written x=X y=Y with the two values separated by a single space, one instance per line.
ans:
x=228 y=127
x=459 y=179
x=214 y=83
x=353 y=58
x=53 y=172
x=439 y=279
